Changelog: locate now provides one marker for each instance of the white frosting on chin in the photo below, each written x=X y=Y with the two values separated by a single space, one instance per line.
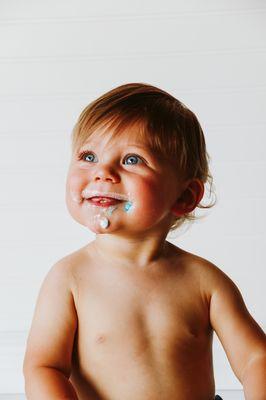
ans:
x=104 y=222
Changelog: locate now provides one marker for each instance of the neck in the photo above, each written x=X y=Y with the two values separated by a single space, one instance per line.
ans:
x=136 y=252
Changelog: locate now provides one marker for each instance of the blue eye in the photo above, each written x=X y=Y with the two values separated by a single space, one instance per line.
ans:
x=133 y=157
x=86 y=156
x=89 y=157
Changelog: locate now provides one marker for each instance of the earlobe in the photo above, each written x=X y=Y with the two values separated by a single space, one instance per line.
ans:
x=189 y=199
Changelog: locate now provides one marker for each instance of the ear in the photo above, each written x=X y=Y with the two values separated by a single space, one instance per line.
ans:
x=189 y=199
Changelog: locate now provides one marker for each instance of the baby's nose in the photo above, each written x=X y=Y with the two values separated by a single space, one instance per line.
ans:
x=106 y=174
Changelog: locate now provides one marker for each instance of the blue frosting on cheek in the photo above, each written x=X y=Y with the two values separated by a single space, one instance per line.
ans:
x=128 y=206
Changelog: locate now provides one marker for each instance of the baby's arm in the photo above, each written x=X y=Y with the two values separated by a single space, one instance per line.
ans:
x=47 y=362
x=243 y=340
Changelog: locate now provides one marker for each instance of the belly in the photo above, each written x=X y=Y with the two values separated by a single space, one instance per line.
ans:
x=122 y=375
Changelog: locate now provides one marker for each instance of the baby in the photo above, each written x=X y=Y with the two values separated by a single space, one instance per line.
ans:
x=130 y=316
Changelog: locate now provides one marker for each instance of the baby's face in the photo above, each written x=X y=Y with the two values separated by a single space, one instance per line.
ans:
x=120 y=185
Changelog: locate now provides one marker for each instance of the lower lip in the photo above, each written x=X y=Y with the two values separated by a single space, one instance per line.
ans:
x=108 y=203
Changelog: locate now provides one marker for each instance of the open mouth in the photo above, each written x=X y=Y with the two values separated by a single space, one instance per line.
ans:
x=103 y=201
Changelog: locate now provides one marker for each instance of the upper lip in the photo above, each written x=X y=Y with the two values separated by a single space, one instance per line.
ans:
x=87 y=194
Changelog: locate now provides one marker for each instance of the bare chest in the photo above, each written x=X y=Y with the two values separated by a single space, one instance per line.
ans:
x=141 y=331
x=142 y=317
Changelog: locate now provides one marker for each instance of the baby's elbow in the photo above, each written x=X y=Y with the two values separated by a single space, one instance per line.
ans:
x=29 y=368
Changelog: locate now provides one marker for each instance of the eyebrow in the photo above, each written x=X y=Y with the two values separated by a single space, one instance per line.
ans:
x=152 y=153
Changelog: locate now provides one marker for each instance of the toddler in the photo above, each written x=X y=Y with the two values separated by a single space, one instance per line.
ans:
x=130 y=316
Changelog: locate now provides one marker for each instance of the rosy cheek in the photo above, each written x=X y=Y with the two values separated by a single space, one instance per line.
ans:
x=148 y=190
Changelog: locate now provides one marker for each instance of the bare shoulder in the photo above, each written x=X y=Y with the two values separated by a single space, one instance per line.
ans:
x=209 y=275
x=71 y=266
x=72 y=260
x=213 y=278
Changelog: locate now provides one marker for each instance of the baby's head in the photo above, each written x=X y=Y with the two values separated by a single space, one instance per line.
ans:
x=163 y=189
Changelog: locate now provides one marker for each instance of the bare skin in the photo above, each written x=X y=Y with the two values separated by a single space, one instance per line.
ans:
x=104 y=330
x=130 y=316
x=142 y=334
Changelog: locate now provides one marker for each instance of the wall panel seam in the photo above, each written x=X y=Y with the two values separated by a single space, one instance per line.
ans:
x=69 y=95
x=103 y=57
x=133 y=17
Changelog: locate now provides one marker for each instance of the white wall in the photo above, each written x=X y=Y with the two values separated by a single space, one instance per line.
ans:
x=55 y=57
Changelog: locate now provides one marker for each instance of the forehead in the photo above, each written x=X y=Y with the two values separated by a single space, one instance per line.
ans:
x=130 y=136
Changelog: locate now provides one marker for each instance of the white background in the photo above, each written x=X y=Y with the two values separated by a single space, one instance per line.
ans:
x=56 y=57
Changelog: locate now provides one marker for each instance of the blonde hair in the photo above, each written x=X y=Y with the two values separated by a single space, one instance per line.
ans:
x=170 y=129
